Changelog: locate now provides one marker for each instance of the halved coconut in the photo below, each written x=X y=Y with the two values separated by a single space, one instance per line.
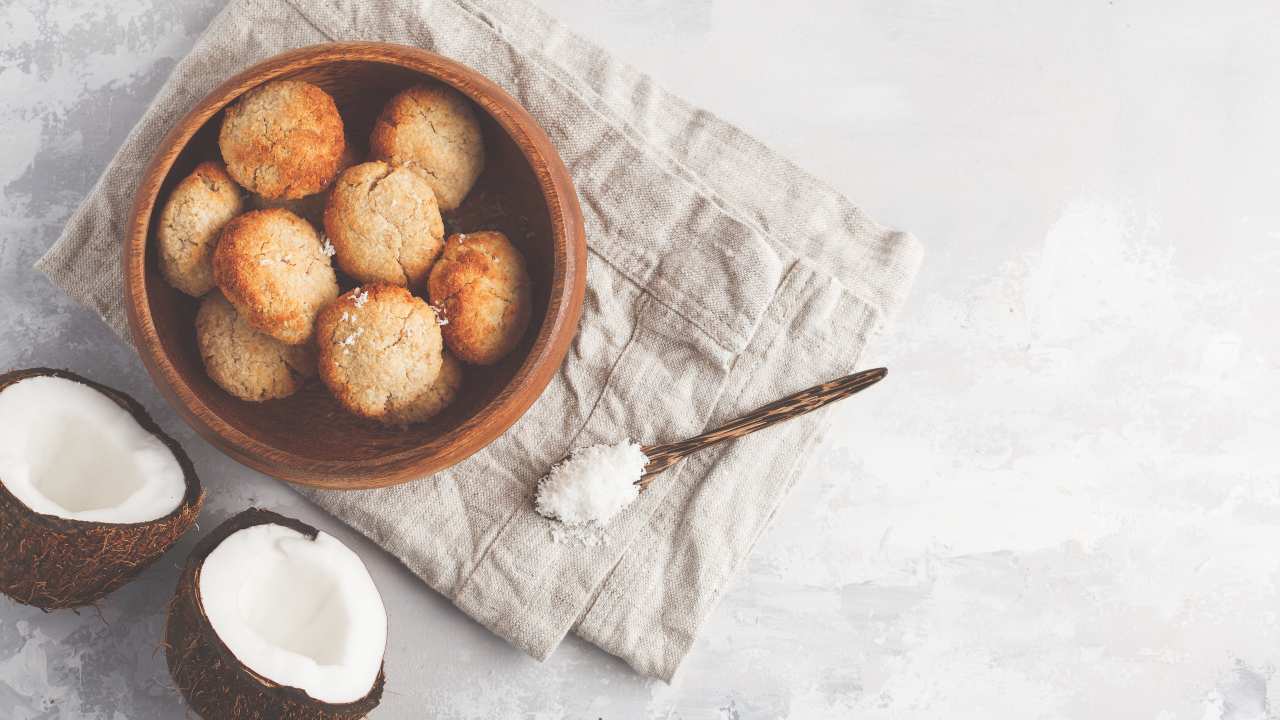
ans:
x=91 y=489
x=275 y=619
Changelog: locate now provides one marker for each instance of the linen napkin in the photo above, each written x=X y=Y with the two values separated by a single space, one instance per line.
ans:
x=720 y=277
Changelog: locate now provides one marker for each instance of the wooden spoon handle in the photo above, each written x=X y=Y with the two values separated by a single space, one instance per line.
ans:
x=664 y=456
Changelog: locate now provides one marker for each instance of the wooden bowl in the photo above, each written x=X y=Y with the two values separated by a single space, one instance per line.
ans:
x=525 y=191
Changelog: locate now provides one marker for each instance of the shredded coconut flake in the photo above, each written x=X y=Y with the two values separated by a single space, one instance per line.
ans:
x=361 y=298
x=586 y=535
x=351 y=339
x=441 y=320
x=588 y=489
x=327 y=247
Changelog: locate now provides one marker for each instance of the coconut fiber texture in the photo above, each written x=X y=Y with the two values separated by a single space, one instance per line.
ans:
x=720 y=277
x=52 y=562
x=214 y=683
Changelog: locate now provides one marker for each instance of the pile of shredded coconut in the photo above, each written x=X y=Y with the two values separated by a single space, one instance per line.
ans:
x=592 y=485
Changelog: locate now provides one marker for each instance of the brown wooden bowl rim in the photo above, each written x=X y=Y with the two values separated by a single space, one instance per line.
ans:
x=558 y=327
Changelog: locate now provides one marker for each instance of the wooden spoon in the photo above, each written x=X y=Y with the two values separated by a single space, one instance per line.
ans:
x=662 y=457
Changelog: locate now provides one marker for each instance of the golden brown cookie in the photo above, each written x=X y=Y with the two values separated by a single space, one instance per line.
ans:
x=384 y=224
x=247 y=363
x=283 y=139
x=481 y=285
x=192 y=218
x=432 y=128
x=272 y=266
x=380 y=352
x=311 y=207
x=439 y=396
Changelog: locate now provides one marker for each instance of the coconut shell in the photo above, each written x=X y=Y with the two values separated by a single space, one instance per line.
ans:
x=52 y=562
x=214 y=682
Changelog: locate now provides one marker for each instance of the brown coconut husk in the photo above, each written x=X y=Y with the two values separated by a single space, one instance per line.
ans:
x=214 y=682
x=52 y=562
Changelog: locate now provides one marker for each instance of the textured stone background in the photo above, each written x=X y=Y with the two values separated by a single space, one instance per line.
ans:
x=1065 y=502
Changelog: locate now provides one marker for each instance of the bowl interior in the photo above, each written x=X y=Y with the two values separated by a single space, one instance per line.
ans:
x=310 y=425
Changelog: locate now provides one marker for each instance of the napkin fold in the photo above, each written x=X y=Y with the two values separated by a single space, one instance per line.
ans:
x=720 y=277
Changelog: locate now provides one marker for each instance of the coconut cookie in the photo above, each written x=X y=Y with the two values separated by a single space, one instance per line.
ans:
x=432 y=128
x=380 y=352
x=273 y=268
x=481 y=284
x=439 y=396
x=311 y=207
x=283 y=139
x=384 y=224
x=197 y=209
x=247 y=363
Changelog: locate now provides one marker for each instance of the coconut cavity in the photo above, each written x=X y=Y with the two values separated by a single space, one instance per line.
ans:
x=91 y=490
x=70 y=451
x=273 y=618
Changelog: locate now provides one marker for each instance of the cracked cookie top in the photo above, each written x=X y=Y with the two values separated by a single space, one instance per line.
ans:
x=481 y=285
x=245 y=362
x=193 y=216
x=311 y=207
x=380 y=354
x=274 y=269
x=433 y=129
x=283 y=139
x=384 y=224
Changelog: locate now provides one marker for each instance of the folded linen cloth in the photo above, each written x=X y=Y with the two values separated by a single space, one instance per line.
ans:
x=720 y=277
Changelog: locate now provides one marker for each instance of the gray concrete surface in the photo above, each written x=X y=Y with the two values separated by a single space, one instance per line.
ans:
x=1064 y=504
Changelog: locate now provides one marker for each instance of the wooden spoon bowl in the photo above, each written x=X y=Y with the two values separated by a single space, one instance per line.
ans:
x=525 y=191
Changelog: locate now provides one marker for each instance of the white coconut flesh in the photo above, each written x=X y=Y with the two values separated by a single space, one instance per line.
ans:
x=299 y=612
x=70 y=451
